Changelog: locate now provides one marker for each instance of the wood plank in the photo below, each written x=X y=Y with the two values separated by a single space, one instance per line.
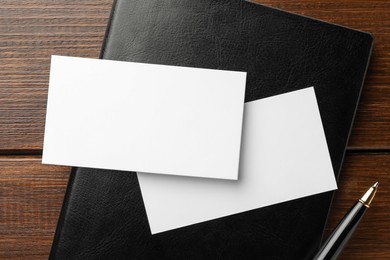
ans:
x=31 y=195
x=372 y=237
x=30 y=31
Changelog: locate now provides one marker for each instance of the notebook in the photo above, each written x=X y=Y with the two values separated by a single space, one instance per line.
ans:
x=103 y=216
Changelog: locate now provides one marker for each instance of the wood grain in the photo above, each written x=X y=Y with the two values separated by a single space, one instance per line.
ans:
x=372 y=237
x=30 y=31
x=31 y=195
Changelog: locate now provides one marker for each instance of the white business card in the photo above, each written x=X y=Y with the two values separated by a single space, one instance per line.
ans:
x=284 y=156
x=144 y=117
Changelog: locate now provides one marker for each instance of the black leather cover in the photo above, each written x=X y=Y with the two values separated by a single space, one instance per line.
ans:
x=103 y=216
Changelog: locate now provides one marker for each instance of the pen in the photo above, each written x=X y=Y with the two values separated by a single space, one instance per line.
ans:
x=344 y=230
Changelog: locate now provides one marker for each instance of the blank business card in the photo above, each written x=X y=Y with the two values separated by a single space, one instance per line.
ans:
x=284 y=156
x=144 y=117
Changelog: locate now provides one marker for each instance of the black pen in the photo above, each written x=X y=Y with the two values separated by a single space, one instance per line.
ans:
x=344 y=230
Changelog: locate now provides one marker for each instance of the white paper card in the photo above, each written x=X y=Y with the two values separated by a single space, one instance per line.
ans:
x=284 y=156
x=144 y=117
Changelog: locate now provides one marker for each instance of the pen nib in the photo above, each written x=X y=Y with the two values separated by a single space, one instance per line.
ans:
x=367 y=198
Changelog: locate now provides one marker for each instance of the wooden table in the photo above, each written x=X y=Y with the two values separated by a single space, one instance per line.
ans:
x=31 y=194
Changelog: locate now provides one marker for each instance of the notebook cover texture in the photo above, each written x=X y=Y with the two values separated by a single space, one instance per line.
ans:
x=103 y=215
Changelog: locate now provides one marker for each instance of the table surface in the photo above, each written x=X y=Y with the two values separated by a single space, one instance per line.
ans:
x=31 y=194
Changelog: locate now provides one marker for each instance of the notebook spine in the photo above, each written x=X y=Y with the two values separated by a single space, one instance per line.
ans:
x=64 y=212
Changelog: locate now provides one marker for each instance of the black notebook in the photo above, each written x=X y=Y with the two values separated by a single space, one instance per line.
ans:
x=103 y=216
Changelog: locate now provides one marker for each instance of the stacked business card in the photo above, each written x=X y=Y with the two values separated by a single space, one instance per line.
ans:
x=199 y=154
